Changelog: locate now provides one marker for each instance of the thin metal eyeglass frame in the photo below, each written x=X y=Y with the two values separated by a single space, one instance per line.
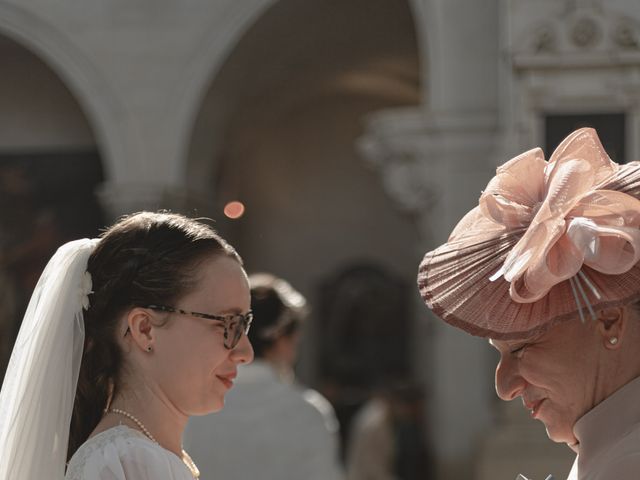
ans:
x=228 y=320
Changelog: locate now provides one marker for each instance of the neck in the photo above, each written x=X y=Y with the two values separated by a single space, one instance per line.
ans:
x=620 y=370
x=161 y=418
x=281 y=356
x=280 y=365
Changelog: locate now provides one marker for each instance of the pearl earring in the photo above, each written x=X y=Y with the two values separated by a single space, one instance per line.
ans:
x=613 y=340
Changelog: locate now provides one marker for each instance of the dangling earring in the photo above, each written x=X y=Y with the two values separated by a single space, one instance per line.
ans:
x=613 y=340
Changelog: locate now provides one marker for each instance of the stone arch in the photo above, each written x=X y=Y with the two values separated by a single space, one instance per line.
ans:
x=425 y=14
x=214 y=72
x=212 y=51
x=99 y=104
x=248 y=106
x=215 y=49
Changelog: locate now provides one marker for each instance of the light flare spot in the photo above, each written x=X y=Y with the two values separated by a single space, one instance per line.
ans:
x=234 y=209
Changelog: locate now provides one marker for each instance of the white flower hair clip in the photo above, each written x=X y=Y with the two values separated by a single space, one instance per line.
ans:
x=86 y=285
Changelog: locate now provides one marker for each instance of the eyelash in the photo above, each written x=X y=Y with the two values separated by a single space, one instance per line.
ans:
x=519 y=350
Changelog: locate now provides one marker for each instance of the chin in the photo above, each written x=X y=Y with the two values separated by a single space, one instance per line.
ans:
x=561 y=434
x=216 y=404
x=210 y=407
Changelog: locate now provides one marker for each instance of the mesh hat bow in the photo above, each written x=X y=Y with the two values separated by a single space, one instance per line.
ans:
x=548 y=241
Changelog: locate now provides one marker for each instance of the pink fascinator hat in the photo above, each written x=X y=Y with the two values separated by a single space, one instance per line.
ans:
x=548 y=241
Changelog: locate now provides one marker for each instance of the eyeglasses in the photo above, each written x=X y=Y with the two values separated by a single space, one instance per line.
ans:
x=234 y=324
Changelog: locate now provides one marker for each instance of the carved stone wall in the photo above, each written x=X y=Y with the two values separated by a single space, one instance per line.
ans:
x=572 y=57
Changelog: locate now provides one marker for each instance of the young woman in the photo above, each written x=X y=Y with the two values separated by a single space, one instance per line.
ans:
x=150 y=323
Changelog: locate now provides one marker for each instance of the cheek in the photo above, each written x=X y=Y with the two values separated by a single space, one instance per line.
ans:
x=561 y=382
x=185 y=357
x=175 y=365
x=211 y=357
x=188 y=375
x=202 y=355
x=541 y=373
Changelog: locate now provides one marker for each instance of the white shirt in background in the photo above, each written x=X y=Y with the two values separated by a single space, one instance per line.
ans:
x=268 y=429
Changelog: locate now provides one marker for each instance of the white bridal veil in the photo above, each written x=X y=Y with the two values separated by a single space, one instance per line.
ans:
x=37 y=395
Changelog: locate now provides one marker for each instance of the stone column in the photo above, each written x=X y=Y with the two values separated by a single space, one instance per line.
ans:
x=434 y=168
x=118 y=199
x=434 y=160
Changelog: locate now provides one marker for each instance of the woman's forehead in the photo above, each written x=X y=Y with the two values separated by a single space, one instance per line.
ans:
x=222 y=282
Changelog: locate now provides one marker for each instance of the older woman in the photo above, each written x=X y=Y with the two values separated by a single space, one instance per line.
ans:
x=546 y=267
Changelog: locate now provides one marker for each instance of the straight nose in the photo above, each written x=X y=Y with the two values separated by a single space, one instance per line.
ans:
x=243 y=351
x=509 y=382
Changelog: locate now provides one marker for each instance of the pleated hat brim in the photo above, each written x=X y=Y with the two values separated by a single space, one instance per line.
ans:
x=455 y=279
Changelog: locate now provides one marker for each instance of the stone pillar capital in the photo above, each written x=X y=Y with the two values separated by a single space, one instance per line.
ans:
x=433 y=165
x=430 y=159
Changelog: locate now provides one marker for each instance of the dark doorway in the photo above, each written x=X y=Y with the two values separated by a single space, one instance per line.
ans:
x=610 y=128
x=46 y=199
x=363 y=335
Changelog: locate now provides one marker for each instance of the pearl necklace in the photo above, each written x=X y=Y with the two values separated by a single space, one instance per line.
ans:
x=186 y=459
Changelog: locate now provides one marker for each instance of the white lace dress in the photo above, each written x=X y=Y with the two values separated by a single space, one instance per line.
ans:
x=122 y=453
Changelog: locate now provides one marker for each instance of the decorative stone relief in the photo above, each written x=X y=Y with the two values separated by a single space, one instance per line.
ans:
x=585 y=32
x=625 y=35
x=401 y=169
x=544 y=39
x=423 y=158
x=581 y=28
x=401 y=176
x=574 y=57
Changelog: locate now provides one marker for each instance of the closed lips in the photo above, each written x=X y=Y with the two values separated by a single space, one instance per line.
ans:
x=533 y=407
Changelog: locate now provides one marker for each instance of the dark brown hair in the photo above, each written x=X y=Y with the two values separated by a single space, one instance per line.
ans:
x=145 y=258
x=278 y=311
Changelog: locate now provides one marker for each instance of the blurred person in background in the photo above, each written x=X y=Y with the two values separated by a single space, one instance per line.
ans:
x=271 y=428
x=387 y=440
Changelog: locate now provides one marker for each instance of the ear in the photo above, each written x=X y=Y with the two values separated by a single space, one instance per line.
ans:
x=141 y=328
x=611 y=326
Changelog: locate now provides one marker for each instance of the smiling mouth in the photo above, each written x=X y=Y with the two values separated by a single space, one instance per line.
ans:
x=535 y=408
x=227 y=382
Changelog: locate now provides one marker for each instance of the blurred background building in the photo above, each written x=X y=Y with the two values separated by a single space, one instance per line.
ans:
x=354 y=134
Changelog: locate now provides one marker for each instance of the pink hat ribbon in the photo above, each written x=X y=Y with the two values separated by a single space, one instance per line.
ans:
x=569 y=222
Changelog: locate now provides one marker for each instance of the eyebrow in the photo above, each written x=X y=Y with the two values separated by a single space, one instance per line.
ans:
x=231 y=311
x=508 y=344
